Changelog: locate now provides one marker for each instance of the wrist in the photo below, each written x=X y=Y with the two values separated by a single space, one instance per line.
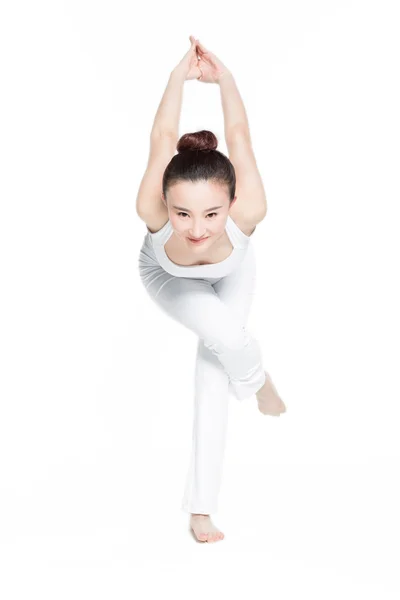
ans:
x=179 y=74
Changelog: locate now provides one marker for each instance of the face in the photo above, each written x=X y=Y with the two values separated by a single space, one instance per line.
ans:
x=189 y=211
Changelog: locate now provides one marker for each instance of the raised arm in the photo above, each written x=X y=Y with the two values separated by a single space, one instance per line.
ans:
x=169 y=110
x=164 y=138
x=250 y=206
x=251 y=203
x=163 y=141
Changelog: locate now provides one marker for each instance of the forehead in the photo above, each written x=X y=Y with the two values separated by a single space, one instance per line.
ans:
x=198 y=193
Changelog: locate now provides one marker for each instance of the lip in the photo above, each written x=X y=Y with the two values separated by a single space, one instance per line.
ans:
x=197 y=241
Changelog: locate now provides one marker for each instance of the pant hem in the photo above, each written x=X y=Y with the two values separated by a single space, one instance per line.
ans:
x=198 y=511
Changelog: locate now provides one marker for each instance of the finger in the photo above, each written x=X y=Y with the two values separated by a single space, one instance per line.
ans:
x=198 y=48
x=206 y=56
x=192 y=49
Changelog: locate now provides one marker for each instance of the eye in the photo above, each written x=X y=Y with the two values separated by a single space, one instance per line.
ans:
x=183 y=213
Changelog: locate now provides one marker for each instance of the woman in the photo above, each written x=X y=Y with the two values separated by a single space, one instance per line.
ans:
x=197 y=264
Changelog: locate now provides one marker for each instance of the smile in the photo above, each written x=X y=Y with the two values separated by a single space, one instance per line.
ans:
x=198 y=241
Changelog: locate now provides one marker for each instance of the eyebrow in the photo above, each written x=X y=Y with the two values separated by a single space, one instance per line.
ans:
x=187 y=210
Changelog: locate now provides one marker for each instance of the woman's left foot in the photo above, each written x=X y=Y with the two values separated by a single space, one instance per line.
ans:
x=269 y=401
x=204 y=529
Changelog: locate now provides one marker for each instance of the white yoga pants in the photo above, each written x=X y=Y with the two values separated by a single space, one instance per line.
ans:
x=228 y=359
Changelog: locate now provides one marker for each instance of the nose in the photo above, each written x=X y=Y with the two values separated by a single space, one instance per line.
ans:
x=197 y=233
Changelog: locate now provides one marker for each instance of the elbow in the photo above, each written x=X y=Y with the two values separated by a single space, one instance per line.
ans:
x=262 y=213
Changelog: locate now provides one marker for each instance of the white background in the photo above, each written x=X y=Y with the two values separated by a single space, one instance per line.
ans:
x=97 y=384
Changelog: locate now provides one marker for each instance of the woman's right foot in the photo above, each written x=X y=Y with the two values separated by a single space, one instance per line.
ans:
x=269 y=401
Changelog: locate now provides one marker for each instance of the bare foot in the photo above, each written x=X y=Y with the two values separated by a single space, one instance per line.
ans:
x=204 y=529
x=269 y=401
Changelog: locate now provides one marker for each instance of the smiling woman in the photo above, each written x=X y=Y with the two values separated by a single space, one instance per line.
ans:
x=197 y=264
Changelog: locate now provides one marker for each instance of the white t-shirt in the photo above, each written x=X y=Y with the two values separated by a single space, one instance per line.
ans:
x=239 y=240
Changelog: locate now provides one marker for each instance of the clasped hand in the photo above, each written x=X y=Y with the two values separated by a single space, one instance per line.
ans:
x=199 y=63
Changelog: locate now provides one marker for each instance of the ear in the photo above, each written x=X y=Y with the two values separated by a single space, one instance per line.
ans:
x=163 y=199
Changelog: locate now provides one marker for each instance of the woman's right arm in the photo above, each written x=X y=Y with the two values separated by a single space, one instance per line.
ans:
x=163 y=142
x=149 y=202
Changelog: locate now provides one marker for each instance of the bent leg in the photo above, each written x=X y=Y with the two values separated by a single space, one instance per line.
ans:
x=196 y=305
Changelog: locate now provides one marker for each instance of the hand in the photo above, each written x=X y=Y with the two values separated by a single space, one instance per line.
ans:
x=212 y=69
x=188 y=65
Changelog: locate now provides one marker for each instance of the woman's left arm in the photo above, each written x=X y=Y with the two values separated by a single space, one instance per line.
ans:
x=251 y=204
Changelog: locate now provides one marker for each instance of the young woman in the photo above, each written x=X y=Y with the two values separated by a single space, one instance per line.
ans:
x=197 y=264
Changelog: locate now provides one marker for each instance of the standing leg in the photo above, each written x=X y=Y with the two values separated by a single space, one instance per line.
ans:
x=210 y=418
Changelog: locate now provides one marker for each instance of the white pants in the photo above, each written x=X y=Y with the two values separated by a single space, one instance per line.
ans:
x=228 y=359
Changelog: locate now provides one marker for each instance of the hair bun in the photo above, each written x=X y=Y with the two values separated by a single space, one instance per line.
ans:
x=199 y=140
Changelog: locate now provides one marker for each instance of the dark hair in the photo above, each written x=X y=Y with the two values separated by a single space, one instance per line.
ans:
x=199 y=159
